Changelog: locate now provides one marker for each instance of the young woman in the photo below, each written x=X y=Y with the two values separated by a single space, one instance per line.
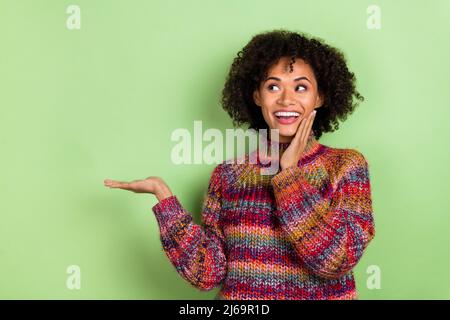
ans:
x=296 y=234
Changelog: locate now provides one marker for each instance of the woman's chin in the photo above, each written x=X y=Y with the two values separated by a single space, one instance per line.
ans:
x=288 y=132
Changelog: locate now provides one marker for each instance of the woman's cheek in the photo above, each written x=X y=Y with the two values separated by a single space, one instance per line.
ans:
x=267 y=116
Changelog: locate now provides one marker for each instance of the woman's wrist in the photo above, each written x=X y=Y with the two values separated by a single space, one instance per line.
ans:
x=162 y=191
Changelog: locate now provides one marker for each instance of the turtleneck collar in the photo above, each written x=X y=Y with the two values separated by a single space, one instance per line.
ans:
x=311 y=146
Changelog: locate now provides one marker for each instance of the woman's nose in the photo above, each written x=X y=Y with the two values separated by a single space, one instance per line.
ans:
x=286 y=98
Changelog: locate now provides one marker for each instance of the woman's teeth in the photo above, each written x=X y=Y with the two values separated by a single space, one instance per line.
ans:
x=286 y=117
x=286 y=114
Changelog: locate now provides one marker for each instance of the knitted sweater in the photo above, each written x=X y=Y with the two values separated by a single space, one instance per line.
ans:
x=295 y=234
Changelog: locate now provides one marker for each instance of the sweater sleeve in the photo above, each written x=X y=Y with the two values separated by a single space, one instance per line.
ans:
x=329 y=231
x=197 y=252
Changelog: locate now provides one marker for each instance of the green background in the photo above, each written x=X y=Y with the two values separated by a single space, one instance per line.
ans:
x=79 y=106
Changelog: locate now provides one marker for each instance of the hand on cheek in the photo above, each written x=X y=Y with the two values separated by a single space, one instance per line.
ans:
x=293 y=153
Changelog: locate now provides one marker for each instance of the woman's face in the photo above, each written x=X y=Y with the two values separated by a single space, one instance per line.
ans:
x=286 y=91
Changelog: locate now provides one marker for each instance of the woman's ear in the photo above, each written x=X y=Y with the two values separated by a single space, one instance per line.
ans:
x=319 y=101
x=256 y=97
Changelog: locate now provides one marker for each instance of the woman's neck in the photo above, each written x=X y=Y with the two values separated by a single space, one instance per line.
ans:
x=283 y=145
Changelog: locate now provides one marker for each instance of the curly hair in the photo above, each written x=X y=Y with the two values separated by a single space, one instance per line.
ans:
x=335 y=82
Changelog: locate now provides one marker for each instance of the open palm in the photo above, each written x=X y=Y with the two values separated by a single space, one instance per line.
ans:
x=148 y=185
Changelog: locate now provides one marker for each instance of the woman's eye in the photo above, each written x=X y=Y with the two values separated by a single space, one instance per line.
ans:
x=271 y=86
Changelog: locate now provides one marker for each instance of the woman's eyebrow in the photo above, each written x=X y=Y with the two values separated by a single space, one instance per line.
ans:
x=278 y=79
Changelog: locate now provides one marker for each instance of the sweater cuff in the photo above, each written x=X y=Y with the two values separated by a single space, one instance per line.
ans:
x=167 y=211
x=287 y=183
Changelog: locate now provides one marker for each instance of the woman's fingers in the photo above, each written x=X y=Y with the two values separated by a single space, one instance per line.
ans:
x=305 y=129
x=117 y=184
x=298 y=135
x=308 y=126
x=302 y=134
x=149 y=185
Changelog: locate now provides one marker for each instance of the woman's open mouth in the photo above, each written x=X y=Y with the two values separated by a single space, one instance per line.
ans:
x=286 y=117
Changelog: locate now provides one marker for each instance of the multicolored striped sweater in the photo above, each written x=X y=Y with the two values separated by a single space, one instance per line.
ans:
x=296 y=234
